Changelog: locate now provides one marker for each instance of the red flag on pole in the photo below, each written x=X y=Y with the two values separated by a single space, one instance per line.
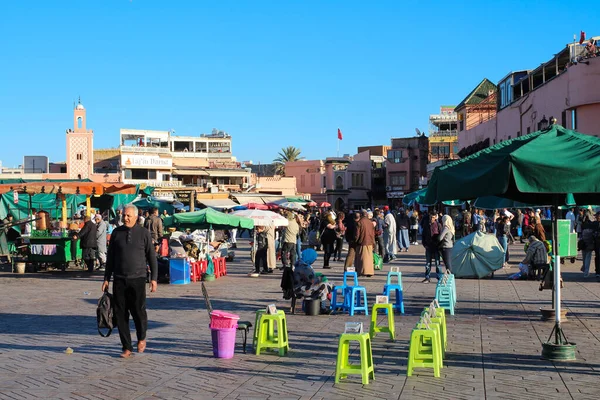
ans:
x=340 y=134
x=582 y=37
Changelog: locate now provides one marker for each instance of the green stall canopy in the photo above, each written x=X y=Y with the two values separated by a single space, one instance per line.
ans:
x=208 y=219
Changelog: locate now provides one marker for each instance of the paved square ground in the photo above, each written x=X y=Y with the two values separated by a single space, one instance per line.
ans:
x=494 y=341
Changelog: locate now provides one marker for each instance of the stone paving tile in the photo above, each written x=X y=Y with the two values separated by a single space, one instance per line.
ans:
x=494 y=341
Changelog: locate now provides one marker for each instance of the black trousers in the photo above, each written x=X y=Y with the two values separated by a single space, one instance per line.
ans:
x=379 y=245
x=288 y=254
x=260 y=260
x=129 y=296
x=339 y=245
x=328 y=251
x=446 y=253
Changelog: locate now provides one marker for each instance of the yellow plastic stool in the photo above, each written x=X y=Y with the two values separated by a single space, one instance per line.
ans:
x=437 y=325
x=267 y=339
x=344 y=368
x=440 y=317
x=270 y=332
x=390 y=328
x=425 y=350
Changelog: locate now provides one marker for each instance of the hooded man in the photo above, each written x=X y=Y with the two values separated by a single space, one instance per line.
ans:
x=389 y=234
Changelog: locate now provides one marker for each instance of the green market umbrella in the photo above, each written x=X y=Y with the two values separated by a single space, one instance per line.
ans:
x=476 y=255
x=148 y=203
x=208 y=219
x=414 y=197
x=540 y=168
x=419 y=196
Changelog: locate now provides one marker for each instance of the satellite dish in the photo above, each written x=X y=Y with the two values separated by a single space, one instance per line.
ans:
x=418 y=132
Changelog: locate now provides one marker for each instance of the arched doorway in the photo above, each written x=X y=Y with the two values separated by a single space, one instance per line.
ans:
x=339 y=204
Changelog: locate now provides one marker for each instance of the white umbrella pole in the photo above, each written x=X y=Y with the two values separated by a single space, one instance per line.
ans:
x=556 y=271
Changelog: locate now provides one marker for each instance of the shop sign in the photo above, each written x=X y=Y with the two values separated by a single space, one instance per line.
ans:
x=395 y=195
x=15 y=197
x=143 y=161
x=184 y=197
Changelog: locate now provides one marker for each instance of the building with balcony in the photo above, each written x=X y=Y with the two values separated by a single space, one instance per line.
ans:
x=406 y=166
x=443 y=135
x=343 y=182
x=566 y=87
x=162 y=159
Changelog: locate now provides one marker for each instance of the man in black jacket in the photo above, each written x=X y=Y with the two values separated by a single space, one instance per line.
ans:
x=87 y=242
x=130 y=252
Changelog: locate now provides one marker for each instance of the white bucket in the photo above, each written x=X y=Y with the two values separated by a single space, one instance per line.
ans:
x=20 y=268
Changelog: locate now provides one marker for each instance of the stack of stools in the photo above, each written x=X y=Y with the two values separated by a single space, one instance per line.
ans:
x=437 y=315
x=270 y=332
x=220 y=266
x=425 y=350
x=445 y=292
x=390 y=328
x=197 y=268
x=396 y=288
x=344 y=368
x=355 y=296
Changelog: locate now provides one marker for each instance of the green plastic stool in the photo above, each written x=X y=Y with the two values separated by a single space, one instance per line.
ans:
x=425 y=350
x=344 y=368
x=440 y=317
x=390 y=328
x=267 y=339
x=436 y=323
x=270 y=332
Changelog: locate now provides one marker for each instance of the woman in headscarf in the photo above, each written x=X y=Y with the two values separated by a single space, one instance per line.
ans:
x=446 y=240
x=307 y=283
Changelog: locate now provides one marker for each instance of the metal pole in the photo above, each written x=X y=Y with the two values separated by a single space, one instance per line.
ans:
x=556 y=271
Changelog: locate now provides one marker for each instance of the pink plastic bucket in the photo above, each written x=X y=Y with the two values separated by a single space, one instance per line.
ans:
x=221 y=319
x=223 y=341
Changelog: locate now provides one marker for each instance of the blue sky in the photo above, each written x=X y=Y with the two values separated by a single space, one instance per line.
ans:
x=271 y=73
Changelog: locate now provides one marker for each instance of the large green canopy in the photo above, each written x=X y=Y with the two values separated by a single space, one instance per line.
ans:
x=207 y=219
x=539 y=168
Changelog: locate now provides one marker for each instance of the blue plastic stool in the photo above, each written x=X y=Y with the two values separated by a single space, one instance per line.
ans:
x=398 y=304
x=396 y=288
x=345 y=291
x=335 y=305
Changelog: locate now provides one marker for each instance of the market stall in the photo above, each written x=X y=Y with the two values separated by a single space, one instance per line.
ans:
x=210 y=260
x=54 y=251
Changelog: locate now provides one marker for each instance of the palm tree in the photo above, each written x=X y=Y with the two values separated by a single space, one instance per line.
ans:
x=287 y=154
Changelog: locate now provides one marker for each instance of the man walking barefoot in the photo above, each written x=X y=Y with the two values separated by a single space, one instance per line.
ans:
x=130 y=251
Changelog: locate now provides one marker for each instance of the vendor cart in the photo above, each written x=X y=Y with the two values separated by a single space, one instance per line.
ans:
x=55 y=252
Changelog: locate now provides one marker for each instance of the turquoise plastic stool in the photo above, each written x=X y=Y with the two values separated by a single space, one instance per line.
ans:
x=394 y=274
x=443 y=294
x=355 y=293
